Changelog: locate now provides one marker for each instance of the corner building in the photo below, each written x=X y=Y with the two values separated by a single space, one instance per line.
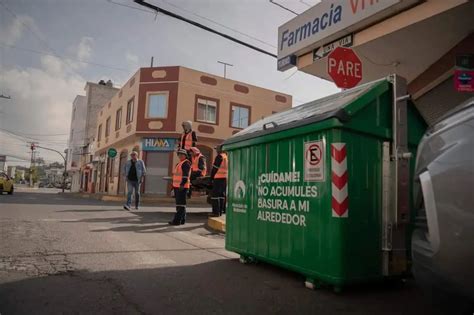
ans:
x=147 y=113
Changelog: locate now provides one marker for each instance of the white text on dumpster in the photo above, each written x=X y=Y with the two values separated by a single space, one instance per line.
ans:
x=283 y=198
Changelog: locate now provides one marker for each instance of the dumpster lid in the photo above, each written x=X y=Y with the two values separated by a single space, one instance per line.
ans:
x=328 y=107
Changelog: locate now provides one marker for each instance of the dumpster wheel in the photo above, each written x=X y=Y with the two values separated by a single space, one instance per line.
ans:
x=312 y=284
x=246 y=259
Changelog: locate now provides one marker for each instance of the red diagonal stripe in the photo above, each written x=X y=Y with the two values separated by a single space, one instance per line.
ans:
x=338 y=155
x=340 y=208
x=339 y=181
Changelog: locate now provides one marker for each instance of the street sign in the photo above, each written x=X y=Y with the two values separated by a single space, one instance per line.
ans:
x=323 y=51
x=286 y=63
x=344 y=67
x=112 y=153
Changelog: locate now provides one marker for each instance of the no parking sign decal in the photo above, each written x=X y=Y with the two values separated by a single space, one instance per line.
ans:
x=314 y=161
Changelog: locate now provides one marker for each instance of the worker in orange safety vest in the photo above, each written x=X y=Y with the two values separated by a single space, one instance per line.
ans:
x=181 y=184
x=188 y=138
x=219 y=182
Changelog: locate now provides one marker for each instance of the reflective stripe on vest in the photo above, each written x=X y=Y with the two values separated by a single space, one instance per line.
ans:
x=195 y=166
x=188 y=140
x=222 y=171
x=178 y=175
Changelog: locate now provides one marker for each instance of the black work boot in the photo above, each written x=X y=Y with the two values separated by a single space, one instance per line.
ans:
x=182 y=216
x=176 y=219
x=215 y=207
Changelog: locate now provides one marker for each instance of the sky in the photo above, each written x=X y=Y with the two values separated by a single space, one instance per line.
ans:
x=49 y=49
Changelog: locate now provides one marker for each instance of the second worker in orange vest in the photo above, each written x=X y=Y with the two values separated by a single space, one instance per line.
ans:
x=181 y=184
x=188 y=138
x=219 y=182
x=198 y=164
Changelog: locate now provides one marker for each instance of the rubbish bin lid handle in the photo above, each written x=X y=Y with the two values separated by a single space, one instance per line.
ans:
x=272 y=123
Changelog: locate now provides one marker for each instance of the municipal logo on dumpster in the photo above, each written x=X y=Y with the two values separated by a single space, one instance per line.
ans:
x=314 y=161
x=238 y=199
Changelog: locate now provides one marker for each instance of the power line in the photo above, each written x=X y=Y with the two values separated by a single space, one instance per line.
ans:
x=283 y=7
x=220 y=24
x=38 y=37
x=63 y=58
x=204 y=27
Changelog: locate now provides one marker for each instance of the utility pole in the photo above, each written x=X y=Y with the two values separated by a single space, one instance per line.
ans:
x=32 y=163
x=225 y=66
x=151 y=64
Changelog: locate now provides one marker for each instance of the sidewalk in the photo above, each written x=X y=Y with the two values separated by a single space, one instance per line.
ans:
x=200 y=202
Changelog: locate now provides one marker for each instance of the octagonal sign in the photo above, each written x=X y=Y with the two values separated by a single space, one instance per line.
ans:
x=344 y=67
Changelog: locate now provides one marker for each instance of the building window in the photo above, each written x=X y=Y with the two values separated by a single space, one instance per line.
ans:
x=157 y=105
x=99 y=133
x=107 y=127
x=118 y=119
x=240 y=116
x=206 y=111
x=130 y=107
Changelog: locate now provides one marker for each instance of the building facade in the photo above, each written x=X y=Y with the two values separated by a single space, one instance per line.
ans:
x=419 y=40
x=84 y=115
x=147 y=113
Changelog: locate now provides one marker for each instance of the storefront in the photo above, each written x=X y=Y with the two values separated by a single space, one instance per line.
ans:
x=418 y=40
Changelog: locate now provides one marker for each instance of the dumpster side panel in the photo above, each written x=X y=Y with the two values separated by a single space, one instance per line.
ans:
x=289 y=221
x=362 y=228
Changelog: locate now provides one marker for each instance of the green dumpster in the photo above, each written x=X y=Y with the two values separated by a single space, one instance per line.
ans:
x=323 y=189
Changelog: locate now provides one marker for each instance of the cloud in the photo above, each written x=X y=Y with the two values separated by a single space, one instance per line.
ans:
x=11 y=34
x=84 y=50
x=41 y=98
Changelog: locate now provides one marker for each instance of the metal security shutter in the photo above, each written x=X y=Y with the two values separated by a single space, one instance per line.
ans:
x=157 y=167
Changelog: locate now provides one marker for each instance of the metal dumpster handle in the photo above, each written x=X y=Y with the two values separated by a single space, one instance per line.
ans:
x=274 y=124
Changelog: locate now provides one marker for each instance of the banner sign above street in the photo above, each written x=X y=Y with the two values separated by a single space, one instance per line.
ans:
x=323 y=51
x=331 y=19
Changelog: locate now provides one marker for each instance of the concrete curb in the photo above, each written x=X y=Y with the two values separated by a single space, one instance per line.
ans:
x=168 y=201
x=217 y=223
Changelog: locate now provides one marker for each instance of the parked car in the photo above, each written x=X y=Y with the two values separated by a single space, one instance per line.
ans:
x=6 y=184
x=443 y=239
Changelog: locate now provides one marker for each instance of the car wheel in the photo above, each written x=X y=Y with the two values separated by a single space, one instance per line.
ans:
x=11 y=191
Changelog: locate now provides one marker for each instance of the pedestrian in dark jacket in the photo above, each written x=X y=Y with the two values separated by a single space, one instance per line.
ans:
x=134 y=172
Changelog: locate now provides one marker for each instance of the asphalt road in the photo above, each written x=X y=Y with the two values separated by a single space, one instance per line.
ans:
x=60 y=254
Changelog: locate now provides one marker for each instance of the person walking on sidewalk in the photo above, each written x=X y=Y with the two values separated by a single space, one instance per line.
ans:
x=134 y=172
x=219 y=182
x=181 y=184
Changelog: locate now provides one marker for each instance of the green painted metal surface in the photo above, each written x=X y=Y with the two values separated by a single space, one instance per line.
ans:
x=288 y=220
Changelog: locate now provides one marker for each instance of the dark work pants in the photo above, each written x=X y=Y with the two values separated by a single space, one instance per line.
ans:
x=218 y=201
x=180 y=199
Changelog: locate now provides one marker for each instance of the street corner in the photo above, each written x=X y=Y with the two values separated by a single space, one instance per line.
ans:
x=217 y=223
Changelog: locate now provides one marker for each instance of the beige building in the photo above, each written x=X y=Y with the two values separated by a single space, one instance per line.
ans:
x=147 y=113
x=85 y=109
x=418 y=40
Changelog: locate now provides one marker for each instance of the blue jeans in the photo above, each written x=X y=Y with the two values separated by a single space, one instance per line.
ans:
x=131 y=186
